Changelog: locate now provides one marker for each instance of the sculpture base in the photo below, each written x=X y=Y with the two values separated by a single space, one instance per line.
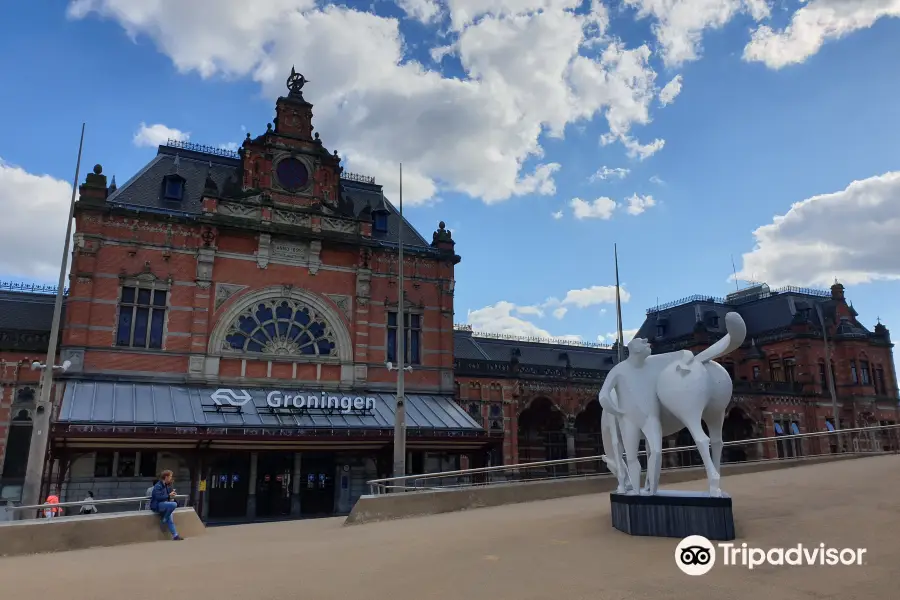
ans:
x=674 y=514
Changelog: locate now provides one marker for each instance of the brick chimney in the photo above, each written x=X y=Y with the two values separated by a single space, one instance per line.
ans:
x=94 y=189
x=442 y=238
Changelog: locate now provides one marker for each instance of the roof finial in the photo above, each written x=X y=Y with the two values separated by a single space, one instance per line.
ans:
x=295 y=83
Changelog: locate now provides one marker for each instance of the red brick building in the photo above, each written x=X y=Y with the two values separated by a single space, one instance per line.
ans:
x=230 y=316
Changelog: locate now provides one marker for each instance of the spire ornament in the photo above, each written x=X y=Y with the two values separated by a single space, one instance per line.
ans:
x=295 y=83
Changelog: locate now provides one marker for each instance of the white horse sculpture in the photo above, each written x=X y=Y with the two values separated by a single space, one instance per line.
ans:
x=655 y=396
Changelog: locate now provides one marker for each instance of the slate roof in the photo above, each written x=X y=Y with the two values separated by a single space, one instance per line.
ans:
x=762 y=310
x=370 y=196
x=112 y=403
x=144 y=190
x=469 y=346
x=26 y=311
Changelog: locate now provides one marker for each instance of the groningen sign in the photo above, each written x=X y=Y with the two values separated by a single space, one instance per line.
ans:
x=299 y=401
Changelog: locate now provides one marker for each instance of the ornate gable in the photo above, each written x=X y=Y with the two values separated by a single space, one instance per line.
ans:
x=288 y=163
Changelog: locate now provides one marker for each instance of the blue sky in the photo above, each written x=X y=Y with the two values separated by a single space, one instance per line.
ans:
x=502 y=111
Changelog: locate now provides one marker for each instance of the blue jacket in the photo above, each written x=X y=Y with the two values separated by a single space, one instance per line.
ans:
x=159 y=494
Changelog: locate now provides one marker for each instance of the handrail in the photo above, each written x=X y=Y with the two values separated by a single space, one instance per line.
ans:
x=86 y=502
x=382 y=484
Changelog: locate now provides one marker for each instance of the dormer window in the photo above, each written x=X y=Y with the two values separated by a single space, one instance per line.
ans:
x=380 y=221
x=173 y=188
x=660 y=330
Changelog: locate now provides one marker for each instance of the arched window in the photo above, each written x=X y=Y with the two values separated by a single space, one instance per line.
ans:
x=283 y=326
x=25 y=395
x=474 y=411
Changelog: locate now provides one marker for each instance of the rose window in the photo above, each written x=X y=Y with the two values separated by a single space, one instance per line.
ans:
x=284 y=327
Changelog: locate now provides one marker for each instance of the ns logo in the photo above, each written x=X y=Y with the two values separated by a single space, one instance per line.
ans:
x=230 y=397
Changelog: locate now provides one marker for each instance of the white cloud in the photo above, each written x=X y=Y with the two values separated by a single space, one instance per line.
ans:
x=811 y=26
x=610 y=338
x=425 y=11
x=530 y=67
x=32 y=203
x=680 y=24
x=601 y=208
x=642 y=151
x=505 y=317
x=230 y=146
x=604 y=173
x=656 y=179
x=156 y=135
x=670 y=91
x=638 y=204
x=852 y=235
x=498 y=318
x=557 y=215
x=596 y=294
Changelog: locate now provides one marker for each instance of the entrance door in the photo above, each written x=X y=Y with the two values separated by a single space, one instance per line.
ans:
x=228 y=487
x=273 y=484
x=317 y=485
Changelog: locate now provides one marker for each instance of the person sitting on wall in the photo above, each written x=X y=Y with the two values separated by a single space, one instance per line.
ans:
x=88 y=508
x=162 y=502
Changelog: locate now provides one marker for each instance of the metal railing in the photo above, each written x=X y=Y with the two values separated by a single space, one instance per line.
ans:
x=873 y=439
x=39 y=509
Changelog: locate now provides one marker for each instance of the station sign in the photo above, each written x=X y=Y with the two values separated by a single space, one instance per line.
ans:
x=306 y=402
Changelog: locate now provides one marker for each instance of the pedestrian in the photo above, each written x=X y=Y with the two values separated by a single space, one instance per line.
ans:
x=55 y=511
x=162 y=502
x=88 y=508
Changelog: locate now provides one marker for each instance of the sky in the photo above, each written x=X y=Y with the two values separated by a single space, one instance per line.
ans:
x=693 y=134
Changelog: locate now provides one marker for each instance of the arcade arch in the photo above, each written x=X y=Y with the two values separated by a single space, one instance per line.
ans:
x=736 y=427
x=588 y=436
x=541 y=433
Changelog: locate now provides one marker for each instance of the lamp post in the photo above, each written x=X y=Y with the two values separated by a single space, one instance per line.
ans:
x=37 y=451
x=829 y=376
x=400 y=355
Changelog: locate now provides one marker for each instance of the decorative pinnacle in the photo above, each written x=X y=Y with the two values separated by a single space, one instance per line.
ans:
x=295 y=83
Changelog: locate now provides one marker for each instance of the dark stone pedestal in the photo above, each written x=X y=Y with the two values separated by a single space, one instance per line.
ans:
x=674 y=514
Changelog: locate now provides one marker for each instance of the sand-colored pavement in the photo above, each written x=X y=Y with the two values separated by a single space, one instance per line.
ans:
x=559 y=549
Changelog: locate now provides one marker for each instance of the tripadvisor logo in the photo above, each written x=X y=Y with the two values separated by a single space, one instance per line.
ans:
x=696 y=555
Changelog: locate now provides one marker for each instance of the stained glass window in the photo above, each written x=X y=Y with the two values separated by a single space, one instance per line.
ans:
x=292 y=174
x=284 y=327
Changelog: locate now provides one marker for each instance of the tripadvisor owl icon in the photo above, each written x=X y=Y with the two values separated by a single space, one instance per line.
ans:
x=695 y=555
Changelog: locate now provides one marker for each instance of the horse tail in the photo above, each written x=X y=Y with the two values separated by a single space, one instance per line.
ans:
x=736 y=331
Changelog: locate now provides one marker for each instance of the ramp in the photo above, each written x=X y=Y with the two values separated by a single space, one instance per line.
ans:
x=37 y=536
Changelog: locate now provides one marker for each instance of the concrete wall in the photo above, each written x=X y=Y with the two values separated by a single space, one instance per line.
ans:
x=370 y=509
x=81 y=480
x=36 y=536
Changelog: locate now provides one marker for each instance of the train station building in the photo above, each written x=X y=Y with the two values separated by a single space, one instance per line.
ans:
x=230 y=316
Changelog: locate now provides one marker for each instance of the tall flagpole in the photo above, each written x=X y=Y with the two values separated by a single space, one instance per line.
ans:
x=37 y=451
x=619 y=334
x=400 y=414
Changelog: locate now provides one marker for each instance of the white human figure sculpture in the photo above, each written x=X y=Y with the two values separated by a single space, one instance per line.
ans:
x=658 y=395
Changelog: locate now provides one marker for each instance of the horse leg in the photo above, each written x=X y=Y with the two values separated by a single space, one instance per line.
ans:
x=631 y=438
x=652 y=431
x=715 y=421
x=695 y=426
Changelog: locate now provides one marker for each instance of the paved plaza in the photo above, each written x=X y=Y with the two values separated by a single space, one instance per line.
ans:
x=559 y=549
